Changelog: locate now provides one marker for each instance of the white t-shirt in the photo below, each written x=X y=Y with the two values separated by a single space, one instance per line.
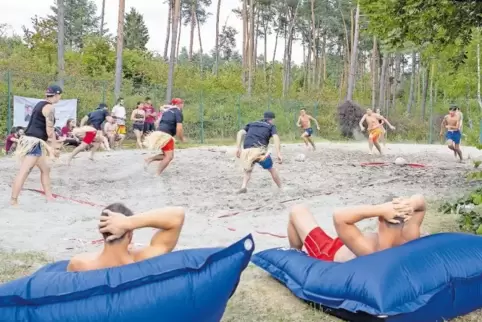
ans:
x=119 y=113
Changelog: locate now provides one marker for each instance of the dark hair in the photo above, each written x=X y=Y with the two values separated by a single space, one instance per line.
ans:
x=120 y=208
x=302 y=109
x=119 y=99
x=13 y=130
x=139 y=103
x=19 y=128
x=148 y=98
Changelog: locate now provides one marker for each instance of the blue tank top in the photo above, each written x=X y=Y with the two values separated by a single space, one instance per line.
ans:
x=37 y=125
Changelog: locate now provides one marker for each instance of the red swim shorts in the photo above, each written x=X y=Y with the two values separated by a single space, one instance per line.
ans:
x=321 y=246
x=89 y=137
x=169 y=146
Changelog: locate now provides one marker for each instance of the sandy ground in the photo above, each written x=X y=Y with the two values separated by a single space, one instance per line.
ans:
x=204 y=180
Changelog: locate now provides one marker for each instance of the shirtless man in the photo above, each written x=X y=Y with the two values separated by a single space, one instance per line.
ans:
x=304 y=121
x=374 y=128
x=111 y=132
x=451 y=122
x=117 y=224
x=399 y=222
x=89 y=135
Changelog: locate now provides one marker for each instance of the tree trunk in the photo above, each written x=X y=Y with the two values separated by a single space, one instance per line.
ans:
x=411 y=95
x=374 y=72
x=216 y=64
x=265 y=44
x=381 y=92
x=60 y=42
x=395 y=80
x=273 y=59
x=193 y=27
x=245 y=40
x=313 y=41
x=168 y=30
x=172 y=59
x=251 y=51
x=324 y=58
x=102 y=17
x=178 y=41
x=201 y=52
x=425 y=91
x=120 y=48
x=354 y=56
x=479 y=99
x=289 y=47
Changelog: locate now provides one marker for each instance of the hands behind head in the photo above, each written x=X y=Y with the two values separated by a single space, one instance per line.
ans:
x=401 y=209
x=114 y=223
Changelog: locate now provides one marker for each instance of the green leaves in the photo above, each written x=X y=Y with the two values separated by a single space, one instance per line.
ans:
x=470 y=210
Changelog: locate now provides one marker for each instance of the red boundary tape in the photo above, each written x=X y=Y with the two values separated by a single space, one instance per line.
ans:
x=66 y=198
x=99 y=241
x=375 y=164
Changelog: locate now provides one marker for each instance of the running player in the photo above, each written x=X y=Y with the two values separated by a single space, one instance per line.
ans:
x=374 y=128
x=304 y=121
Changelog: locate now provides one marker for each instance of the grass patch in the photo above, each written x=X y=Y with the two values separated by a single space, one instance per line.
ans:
x=259 y=298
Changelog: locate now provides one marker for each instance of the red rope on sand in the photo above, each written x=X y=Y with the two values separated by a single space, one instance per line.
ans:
x=416 y=165
x=271 y=234
x=66 y=198
x=373 y=164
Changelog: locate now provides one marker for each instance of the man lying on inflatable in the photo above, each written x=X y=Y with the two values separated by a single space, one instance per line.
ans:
x=399 y=222
x=117 y=224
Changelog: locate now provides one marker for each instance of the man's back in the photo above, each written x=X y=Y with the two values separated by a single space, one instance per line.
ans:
x=169 y=120
x=97 y=117
x=117 y=228
x=258 y=134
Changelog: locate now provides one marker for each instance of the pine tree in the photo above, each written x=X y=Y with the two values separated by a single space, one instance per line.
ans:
x=136 y=34
x=81 y=20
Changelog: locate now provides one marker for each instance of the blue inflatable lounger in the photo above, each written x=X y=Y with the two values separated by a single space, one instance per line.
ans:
x=434 y=278
x=183 y=286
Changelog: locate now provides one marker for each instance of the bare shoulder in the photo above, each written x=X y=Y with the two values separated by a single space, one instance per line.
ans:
x=79 y=263
x=47 y=109
x=148 y=252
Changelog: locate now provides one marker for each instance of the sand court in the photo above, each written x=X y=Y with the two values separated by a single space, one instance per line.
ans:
x=204 y=181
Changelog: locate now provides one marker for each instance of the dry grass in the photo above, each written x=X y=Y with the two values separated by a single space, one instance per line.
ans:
x=259 y=298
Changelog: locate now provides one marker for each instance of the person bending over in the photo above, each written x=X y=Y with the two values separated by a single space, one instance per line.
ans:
x=170 y=126
x=89 y=136
x=117 y=225
x=399 y=222
x=255 y=140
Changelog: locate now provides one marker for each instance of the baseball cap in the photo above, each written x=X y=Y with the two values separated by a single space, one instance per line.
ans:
x=53 y=90
x=176 y=101
x=268 y=115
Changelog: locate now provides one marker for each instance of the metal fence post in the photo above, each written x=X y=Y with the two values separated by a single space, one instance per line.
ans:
x=239 y=111
x=201 y=117
x=103 y=91
x=9 y=104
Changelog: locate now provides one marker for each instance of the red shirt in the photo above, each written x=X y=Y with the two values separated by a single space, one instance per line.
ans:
x=9 y=142
x=65 y=131
x=149 y=110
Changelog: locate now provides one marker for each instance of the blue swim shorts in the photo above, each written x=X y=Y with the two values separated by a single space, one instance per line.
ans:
x=309 y=131
x=453 y=136
x=36 y=151
x=267 y=163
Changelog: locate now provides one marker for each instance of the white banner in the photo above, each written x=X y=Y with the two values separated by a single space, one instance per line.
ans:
x=23 y=107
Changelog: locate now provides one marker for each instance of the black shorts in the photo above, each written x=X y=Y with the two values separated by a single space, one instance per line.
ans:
x=138 y=127
x=148 y=127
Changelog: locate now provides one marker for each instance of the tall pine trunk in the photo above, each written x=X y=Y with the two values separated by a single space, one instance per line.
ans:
x=251 y=51
x=411 y=95
x=168 y=30
x=425 y=90
x=120 y=48
x=172 y=59
x=102 y=18
x=60 y=43
x=193 y=27
x=374 y=72
x=381 y=101
x=216 y=64
x=354 y=57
